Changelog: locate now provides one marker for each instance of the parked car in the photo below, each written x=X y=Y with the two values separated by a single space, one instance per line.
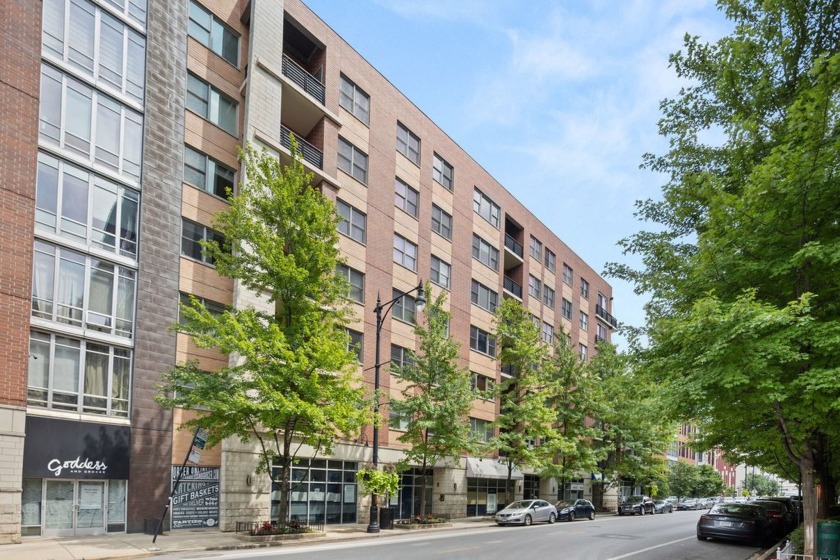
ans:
x=525 y=512
x=688 y=503
x=791 y=507
x=634 y=505
x=663 y=506
x=781 y=518
x=575 y=509
x=747 y=523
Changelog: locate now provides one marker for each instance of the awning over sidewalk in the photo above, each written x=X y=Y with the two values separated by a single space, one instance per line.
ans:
x=490 y=468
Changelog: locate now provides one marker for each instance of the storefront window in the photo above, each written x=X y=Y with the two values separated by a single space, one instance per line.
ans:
x=485 y=496
x=322 y=492
x=30 y=518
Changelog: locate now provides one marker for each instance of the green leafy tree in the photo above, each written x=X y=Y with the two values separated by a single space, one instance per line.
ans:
x=291 y=382
x=436 y=396
x=526 y=420
x=682 y=479
x=741 y=266
x=761 y=485
x=709 y=481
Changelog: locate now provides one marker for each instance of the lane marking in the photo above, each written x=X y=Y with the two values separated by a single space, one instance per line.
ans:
x=629 y=554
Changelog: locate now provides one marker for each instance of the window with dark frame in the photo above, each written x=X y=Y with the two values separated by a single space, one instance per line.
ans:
x=441 y=272
x=353 y=99
x=356 y=282
x=484 y=297
x=353 y=223
x=482 y=341
x=204 y=172
x=352 y=160
x=406 y=198
x=214 y=34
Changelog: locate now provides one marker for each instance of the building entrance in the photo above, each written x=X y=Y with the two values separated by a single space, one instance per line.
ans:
x=74 y=507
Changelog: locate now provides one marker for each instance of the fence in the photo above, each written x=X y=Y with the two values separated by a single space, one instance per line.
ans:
x=785 y=553
x=293 y=526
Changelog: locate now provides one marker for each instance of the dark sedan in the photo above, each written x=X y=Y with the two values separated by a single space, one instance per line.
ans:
x=575 y=509
x=780 y=518
x=747 y=523
x=663 y=506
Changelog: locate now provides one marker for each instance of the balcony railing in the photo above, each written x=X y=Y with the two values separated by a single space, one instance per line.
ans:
x=514 y=246
x=603 y=314
x=307 y=82
x=309 y=152
x=513 y=287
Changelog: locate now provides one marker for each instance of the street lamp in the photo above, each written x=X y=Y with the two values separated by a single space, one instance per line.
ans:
x=381 y=311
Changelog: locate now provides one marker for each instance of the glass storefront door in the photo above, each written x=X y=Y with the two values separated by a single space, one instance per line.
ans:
x=74 y=507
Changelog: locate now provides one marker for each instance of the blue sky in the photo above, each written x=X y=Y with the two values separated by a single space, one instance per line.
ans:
x=558 y=100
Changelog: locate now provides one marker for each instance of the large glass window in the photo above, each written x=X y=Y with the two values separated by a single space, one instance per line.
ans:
x=482 y=385
x=566 y=309
x=72 y=288
x=192 y=234
x=352 y=160
x=486 y=208
x=405 y=252
x=206 y=173
x=482 y=430
x=550 y=260
x=441 y=222
x=78 y=375
x=568 y=274
x=485 y=253
x=355 y=280
x=211 y=32
x=536 y=248
x=322 y=491
x=482 y=341
x=353 y=99
x=353 y=223
x=443 y=172
x=408 y=144
x=115 y=142
x=400 y=357
x=484 y=297
x=584 y=288
x=211 y=104
x=405 y=198
x=69 y=32
x=85 y=208
x=548 y=297
x=547 y=333
x=355 y=343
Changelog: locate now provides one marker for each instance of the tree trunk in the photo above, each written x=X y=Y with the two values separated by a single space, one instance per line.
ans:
x=508 y=488
x=809 y=503
x=423 y=490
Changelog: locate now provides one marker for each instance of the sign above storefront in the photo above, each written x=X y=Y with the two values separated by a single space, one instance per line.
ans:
x=56 y=448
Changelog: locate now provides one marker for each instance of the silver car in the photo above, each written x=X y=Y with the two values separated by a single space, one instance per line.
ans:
x=525 y=512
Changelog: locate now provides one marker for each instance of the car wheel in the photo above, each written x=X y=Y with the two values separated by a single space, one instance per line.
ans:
x=527 y=520
x=620 y=513
x=701 y=538
x=551 y=518
x=500 y=524
x=571 y=516
x=592 y=515
x=641 y=511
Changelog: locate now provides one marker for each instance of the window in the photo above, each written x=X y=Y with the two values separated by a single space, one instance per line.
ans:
x=212 y=307
x=584 y=288
x=354 y=100
x=118 y=63
x=485 y=253
x=601 y=333
x=550 y=260
x=114 y=142
x=405 y=307
x=547 y=333
x=441 y=272
x=536 y=248
x=568 y=275
x=484 y=297
x=482 y=385
x=78 y=290
x=211 y=104
x=192 y=234
x=534 y=287
x=352 y=160
x=486 y=208
x=405 y=198
x=407 y=143
x=441 y=222
x=584 y=321
x=353 y=223
x=355 y=343
x=405 y=252
x=583 y=351
x=78 y=375
x=482 y=341
x=209 y=30
x=85 y=208
x=602 y=301
x=535 y=321
x=355 y=280
x=443 y=172
x=548 y=297
x=206 y=173
x=566 y=309
x=482 y=430
x=398 y=422
x=400 y=357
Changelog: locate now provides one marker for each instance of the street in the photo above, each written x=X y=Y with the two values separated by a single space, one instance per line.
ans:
x=652 y=537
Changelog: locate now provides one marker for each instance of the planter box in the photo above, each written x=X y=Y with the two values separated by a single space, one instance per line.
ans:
x=280 y=538
x=421 y=526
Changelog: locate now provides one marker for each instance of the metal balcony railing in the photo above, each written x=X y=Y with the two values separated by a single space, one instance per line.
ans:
x=514 y=246
x=309 y=152
x=603 y=314
x=307 y=82
x=513 y=287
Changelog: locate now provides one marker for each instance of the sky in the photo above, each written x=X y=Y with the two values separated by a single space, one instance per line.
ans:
x=557 y=99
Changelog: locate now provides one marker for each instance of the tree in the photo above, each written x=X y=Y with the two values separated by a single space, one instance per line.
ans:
x=682 y=479
x=761 y=485
x=741 y=267
x=291 y=381
x=436 y=396
x=526 y=418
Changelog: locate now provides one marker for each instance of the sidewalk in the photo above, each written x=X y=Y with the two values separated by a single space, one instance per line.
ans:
x=137 y=545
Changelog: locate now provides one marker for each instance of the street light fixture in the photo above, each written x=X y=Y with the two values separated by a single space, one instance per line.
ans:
x=381 y=311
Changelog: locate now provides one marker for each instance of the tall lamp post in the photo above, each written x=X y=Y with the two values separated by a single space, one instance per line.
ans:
x=381 y=311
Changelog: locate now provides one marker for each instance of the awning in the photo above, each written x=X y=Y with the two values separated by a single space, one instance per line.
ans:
x=490 y=468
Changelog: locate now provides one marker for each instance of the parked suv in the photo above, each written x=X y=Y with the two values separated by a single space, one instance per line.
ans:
x=637 y=505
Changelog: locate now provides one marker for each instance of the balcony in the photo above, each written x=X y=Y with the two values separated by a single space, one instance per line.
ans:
x=514 y=252
x=512 y=287
x=309 y=152
x=602 y=314
x=306 y=81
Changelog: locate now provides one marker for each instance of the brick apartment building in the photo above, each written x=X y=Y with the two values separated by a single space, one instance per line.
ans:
x=121 y=121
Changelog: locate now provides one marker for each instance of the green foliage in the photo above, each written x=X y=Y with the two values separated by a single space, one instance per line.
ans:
x=687 y=480
x=378 y=482
x=292 y=381
x=761 y=485
x=436 y=397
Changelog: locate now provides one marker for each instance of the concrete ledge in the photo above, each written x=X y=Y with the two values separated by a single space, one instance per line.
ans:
x=421 y=526
x=256 y=539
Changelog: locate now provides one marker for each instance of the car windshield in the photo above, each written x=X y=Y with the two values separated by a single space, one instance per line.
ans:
x=633 y=500
x=565 y=503
x=733 y=509
x=775 y=506
x=521 y=504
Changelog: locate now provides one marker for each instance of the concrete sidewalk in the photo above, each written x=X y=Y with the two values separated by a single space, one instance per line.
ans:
x=135 y=545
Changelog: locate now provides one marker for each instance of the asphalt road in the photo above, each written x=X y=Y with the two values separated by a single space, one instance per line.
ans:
x=652 y=537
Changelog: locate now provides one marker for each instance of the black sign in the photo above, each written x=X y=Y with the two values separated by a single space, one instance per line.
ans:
x=65 y=449
x=196 y=499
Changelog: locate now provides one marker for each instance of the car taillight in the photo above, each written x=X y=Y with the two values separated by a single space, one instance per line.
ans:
x=704 y=518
